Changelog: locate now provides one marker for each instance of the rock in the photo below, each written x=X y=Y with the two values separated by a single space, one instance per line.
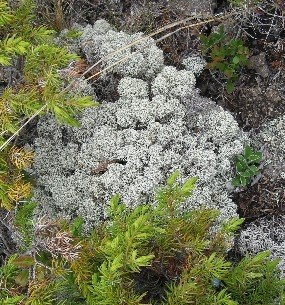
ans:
x=259 y=64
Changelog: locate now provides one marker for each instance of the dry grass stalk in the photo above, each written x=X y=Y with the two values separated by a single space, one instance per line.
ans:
x=135 y=42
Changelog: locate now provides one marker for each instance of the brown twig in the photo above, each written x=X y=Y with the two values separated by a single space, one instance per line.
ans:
x=137 y=41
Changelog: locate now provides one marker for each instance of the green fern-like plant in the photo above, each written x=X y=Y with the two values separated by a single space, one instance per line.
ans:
x=24 y=224
x=28 y=47
x=122 y=260
x=13 y=184
x=8 y=273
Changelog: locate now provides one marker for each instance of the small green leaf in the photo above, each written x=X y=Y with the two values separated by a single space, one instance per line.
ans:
x=5 y=60
x=73 y=33
x=243 y=181
x=253 y=169
x=134 y=255
x=84 y=102
x=248 y=151
x=117 y=263
x=95 y=279
x=41 y=273
x=172 y=178
x=43 y=257
x=77 y=226
x=189 y=186
x=115 y=207
x=236 y=181
x=240 y=158
x=63 y=116
x=247 y=173
x=24 y=261
x=160 y=230
x=254 y=275
x=233 y=225
x=22 y=278
x=241 y=167
x=144 y=260
x=261 y=256
x=256 y=157
x=230 y=87
x=229 y=72
x=221 y=66
x=70 y=121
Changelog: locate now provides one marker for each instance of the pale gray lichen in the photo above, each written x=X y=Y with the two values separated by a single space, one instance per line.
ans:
x=194 y=63
x=130 y=146
x=173 y=83
x=265 y=234
x=100 y=41
x=130 y=87
x=69 y=38
x=271 y=138
x=268 y=233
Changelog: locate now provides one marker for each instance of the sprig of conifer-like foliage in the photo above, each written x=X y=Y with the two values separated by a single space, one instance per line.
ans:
x=13 y=186
x=124 y=258
x=28 y=48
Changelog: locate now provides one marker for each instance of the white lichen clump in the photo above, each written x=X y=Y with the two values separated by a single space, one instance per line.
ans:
x=194 y=63
x=265 y=234
x=268 y=233
x=130 y=146
x=102 y=42
x=271 y=139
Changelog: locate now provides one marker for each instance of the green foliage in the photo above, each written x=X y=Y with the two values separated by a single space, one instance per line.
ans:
x=45 y=59
x=246 y=166
x=253 y=280
x=18 y=33
x=23 y=222
x=28 y=48
x=21 y=22
x=5 y=15
x=119 y=257
x=13 y=185
x=76 y=227
x=225 y=55
x=12 y=46
x=72 y=33
x=8 y=273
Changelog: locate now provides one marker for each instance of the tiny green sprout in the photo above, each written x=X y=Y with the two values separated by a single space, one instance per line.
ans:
x=246 y=166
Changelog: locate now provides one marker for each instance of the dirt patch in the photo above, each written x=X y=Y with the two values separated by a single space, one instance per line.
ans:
x=256 y=99
x=7 y=246
x=263 y=199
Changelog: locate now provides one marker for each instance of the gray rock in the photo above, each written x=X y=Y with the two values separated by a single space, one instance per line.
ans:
x=259 y=64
